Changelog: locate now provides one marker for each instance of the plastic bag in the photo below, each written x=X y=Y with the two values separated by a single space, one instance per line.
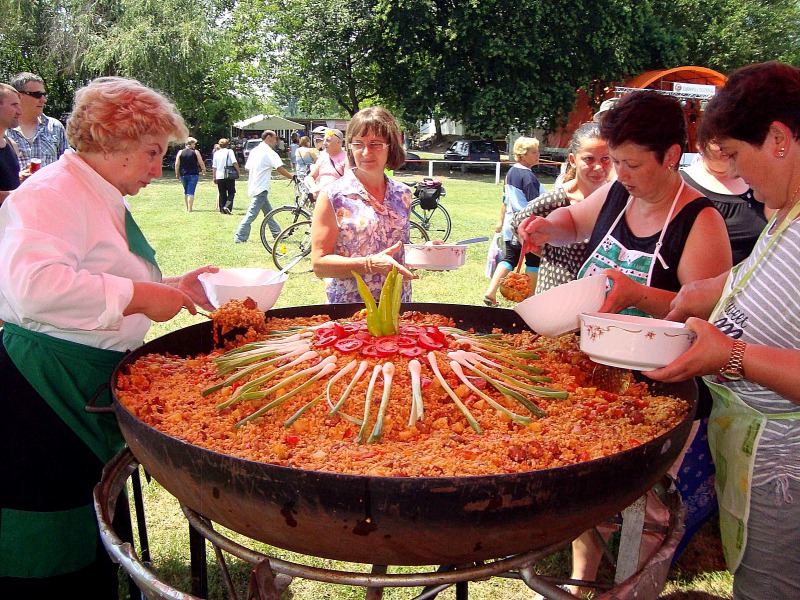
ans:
x=494 y=255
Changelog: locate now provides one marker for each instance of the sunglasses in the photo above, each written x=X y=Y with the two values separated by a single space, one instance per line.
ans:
x=37 y=95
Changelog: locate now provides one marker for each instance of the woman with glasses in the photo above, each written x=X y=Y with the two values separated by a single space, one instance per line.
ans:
x=37 y=135
x=361 y=220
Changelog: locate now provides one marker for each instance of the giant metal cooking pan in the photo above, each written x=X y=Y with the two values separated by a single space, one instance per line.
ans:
x=394 y=521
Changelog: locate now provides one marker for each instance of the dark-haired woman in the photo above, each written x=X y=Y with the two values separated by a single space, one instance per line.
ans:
x=648 y=232
x=589 y=167
x=748 y=337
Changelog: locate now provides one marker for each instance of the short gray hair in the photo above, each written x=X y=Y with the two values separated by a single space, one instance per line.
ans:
x=19 y=80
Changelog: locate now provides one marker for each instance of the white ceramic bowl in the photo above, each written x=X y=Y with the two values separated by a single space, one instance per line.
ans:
x=629 y=342
x=435 y=257
x=239 y=284
x=557 y=311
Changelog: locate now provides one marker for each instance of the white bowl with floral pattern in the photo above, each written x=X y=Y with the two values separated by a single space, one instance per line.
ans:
x=631 y=342
x=435 y=257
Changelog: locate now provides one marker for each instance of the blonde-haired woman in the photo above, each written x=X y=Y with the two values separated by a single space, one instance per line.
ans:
x=223 y=158
x=80 y=288
x=521 y=187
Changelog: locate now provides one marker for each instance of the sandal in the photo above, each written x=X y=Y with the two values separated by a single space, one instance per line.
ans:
x=489 y=302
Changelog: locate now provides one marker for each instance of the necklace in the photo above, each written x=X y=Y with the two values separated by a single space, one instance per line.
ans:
x=785 y=210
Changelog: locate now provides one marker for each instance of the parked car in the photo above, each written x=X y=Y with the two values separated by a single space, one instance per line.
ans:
x=248 y=146
x=472 y=150
x=411 y=166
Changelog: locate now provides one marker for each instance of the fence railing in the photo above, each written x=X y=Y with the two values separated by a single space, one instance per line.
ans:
x=432 y=161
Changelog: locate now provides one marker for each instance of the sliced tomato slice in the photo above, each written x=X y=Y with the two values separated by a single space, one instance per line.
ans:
x=369 y=350
x=429 y=343
x=412 y=351
x=386 y=346
x=413 y=330
x=364 y=336
x=324 y=338
x=406 y=341
x=351 y=328
x=348 y=345
x=436 y=334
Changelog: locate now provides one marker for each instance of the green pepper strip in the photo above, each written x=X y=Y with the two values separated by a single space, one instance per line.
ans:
x=384 y=304
x=396 y=301
x=373 y=318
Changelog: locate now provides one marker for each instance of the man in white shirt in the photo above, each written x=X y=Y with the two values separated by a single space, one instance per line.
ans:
x=260 y=163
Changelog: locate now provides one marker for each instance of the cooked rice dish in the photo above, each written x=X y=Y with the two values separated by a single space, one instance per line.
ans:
x=430 y=401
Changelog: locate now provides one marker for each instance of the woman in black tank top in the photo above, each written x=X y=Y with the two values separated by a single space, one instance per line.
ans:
x=648 y=231
x=188 y=165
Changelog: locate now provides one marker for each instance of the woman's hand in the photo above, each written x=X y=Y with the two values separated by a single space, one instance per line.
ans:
x=534 y=232
x=191 y=286
x=158 y=301
x=708 y=354
x=697 y=299
x=624 y=292
x=382 y=262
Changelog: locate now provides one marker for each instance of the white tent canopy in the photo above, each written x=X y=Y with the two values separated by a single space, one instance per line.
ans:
x=262 y=122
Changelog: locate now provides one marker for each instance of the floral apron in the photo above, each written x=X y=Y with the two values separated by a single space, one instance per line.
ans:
x=611 y=254
x=734 y=431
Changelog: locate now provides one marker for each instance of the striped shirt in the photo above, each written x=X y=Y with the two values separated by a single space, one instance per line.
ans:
x=767 y=312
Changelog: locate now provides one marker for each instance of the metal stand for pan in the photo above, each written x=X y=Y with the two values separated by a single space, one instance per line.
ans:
x=271 y=576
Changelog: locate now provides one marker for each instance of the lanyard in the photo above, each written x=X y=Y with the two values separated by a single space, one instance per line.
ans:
x=791 y=216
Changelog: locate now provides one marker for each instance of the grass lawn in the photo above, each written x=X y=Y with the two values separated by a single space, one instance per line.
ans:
x=186 y=240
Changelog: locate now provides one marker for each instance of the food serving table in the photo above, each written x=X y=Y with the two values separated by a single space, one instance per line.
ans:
x=270 y=576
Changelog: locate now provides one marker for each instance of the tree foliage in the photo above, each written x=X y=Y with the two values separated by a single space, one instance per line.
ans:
x=490 y=64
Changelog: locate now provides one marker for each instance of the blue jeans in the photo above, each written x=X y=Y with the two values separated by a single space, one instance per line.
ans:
x=189 y=184
x=259 y=203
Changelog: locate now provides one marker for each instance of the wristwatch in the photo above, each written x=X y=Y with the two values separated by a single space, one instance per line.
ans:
x=734 y=370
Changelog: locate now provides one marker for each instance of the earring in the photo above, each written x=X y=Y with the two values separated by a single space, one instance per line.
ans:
x=782 y=152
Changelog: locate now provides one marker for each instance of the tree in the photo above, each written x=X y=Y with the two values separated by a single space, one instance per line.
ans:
x=327 y=48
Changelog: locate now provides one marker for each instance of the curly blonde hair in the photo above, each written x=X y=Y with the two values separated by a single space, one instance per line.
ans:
x=113 y=113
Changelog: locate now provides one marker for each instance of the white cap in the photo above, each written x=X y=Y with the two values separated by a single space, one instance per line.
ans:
x=604 y=107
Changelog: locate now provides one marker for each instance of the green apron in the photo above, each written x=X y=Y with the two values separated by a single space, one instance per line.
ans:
x=65 y=374
x=734 y=432
x=610 y=254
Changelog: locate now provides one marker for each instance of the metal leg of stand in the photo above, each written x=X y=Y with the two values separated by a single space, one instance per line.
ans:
x=263 y=585
x=462 y=590
x=197 y=554
x=376 y=593
x=630 y=540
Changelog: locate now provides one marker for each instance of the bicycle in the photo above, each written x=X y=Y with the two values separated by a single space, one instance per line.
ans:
x=287 y=215
x=426 y=209
x=293 y=245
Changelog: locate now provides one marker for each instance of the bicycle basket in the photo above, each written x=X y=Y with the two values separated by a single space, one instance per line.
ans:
x=428 y=192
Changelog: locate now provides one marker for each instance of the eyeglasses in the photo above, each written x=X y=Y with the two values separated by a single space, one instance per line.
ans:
x=373 y=146
x=37 y=95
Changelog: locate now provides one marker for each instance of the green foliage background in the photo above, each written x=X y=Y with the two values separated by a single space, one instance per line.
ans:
x=492 y=64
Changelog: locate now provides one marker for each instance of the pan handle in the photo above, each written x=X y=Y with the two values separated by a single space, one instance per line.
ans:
x=90 y=404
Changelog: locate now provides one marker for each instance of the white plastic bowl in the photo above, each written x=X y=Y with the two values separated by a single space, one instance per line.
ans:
x=435 y=257
x=637 y=343
x=557 y=311
x=239 y=284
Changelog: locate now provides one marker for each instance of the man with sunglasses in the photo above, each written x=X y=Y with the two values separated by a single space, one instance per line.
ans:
x=37 y=135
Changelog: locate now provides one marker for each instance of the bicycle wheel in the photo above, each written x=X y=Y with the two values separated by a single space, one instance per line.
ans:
x=294 y=242
x=436 y=222
x=417 y=234
x=284 y=216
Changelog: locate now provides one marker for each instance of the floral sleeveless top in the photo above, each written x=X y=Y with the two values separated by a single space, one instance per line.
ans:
x=367 y=226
